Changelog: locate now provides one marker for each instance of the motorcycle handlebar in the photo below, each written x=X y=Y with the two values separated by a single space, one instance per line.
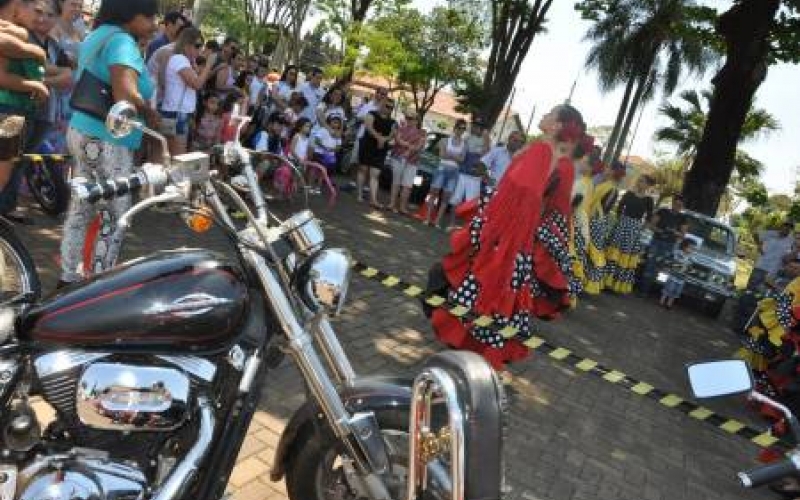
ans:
x=92 y=192
x=769 y=473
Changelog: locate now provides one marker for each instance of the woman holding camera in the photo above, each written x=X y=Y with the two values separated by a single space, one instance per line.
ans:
x=182 y=80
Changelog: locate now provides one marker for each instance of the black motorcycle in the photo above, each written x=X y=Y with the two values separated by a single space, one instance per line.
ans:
x=155 y=368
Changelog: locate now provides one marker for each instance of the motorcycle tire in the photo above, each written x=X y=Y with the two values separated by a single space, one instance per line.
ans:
x=25 y=277
x=47 y=185
x=479 y=389
x=303 y=481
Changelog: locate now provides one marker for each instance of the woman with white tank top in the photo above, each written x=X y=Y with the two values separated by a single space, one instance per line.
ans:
x=451 y=153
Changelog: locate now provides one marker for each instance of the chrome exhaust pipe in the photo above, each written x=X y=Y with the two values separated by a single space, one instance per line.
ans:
x=177 y=482
x=424 y=444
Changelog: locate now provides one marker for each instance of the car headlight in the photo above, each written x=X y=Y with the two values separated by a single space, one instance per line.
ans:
x=322 y=281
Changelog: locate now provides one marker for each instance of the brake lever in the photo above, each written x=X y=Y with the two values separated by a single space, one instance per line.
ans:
x=170 y=195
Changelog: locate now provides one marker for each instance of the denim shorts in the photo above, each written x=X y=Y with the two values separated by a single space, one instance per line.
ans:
x=182 y=123
x=445 y=178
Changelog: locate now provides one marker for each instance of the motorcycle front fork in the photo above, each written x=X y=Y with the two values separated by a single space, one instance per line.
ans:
x=359 y=433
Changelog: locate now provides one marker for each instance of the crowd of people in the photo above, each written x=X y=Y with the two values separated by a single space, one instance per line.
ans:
x=533 y=226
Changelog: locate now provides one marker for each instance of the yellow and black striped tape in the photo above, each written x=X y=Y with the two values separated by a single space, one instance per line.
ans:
x=585 y=365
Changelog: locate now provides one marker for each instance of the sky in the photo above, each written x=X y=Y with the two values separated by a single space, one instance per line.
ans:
x=557 y=58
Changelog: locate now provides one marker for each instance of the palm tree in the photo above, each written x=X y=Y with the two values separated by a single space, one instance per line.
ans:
x=645 y=45
x=689 y=121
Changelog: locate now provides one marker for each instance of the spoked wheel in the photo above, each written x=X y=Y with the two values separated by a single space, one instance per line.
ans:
x=322 y=471
x=48 y=186
x=18 y=276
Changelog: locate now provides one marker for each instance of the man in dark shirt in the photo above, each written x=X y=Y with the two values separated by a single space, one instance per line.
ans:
x=669 y=229
x=173 y=22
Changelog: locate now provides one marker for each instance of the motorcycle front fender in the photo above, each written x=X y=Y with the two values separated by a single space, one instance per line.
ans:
x=366 y=394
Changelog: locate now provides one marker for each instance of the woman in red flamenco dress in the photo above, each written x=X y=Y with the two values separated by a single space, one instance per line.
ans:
x=512 y=261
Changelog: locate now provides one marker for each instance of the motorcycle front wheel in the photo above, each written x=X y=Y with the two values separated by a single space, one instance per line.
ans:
x=320 y=469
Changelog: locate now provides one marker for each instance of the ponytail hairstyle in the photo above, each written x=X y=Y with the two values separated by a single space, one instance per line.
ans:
x=573 y=128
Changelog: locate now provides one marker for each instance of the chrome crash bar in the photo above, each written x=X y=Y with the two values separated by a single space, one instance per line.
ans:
x=424 y=444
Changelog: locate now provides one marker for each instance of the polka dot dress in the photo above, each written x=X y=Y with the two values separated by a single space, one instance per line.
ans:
x=623 y=252
x=598 y=232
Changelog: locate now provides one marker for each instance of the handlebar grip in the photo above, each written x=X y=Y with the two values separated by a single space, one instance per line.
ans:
x=768 y=473
x=105 y=190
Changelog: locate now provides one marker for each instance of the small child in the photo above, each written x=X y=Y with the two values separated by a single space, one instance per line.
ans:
x=680 y=264
x=327 y=141
x=299 y=149
x=209 y=124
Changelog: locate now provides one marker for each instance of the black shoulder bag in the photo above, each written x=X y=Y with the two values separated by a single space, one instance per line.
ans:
x=92 y=95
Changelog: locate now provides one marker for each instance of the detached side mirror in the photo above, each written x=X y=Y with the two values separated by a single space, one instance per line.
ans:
x=714 y=379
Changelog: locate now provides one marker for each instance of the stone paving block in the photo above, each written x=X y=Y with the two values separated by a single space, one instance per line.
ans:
x=253 y=491
x=247 y=471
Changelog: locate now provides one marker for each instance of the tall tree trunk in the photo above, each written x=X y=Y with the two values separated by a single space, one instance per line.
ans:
x=641 y=86
x=746 y=28
x=608 y=154
x=515 y=23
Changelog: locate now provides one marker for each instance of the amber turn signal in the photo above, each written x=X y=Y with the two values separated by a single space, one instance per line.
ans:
x=200 y=221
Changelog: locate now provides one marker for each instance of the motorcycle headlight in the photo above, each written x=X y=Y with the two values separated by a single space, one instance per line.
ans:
x=322 y=281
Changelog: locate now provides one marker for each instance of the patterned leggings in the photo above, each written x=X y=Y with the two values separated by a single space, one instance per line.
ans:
x=94 y=160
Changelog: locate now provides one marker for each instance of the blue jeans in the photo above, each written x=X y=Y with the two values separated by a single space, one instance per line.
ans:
x=659 y=251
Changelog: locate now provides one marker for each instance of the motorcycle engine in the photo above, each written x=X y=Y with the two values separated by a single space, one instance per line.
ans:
x=122 y=424
x=76 y=477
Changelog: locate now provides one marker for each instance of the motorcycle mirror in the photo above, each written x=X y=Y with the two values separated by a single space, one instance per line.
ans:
x=121 y=119
x=713 y=379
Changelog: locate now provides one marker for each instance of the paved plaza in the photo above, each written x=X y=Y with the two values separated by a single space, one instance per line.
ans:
x=572 y=436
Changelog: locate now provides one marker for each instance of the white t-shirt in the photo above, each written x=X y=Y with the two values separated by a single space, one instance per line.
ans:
x=256 y=88
x=284 y=90
x=776 y=247
x=323 y=140
x=314 y=96
x=497 y=161
x=177 y=95
x=300 y=148
x=157 y=67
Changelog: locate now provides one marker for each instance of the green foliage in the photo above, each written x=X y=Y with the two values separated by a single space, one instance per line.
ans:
x=688 y=121
x=423 y=52
x=256 y=23
x=317 y=50
x=784 y=40
x=344 y=20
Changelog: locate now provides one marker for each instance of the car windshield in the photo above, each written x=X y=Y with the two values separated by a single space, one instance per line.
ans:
x=715 y=237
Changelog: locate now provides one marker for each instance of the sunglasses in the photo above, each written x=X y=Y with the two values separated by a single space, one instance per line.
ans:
x=198 y=45
x=461 y=128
